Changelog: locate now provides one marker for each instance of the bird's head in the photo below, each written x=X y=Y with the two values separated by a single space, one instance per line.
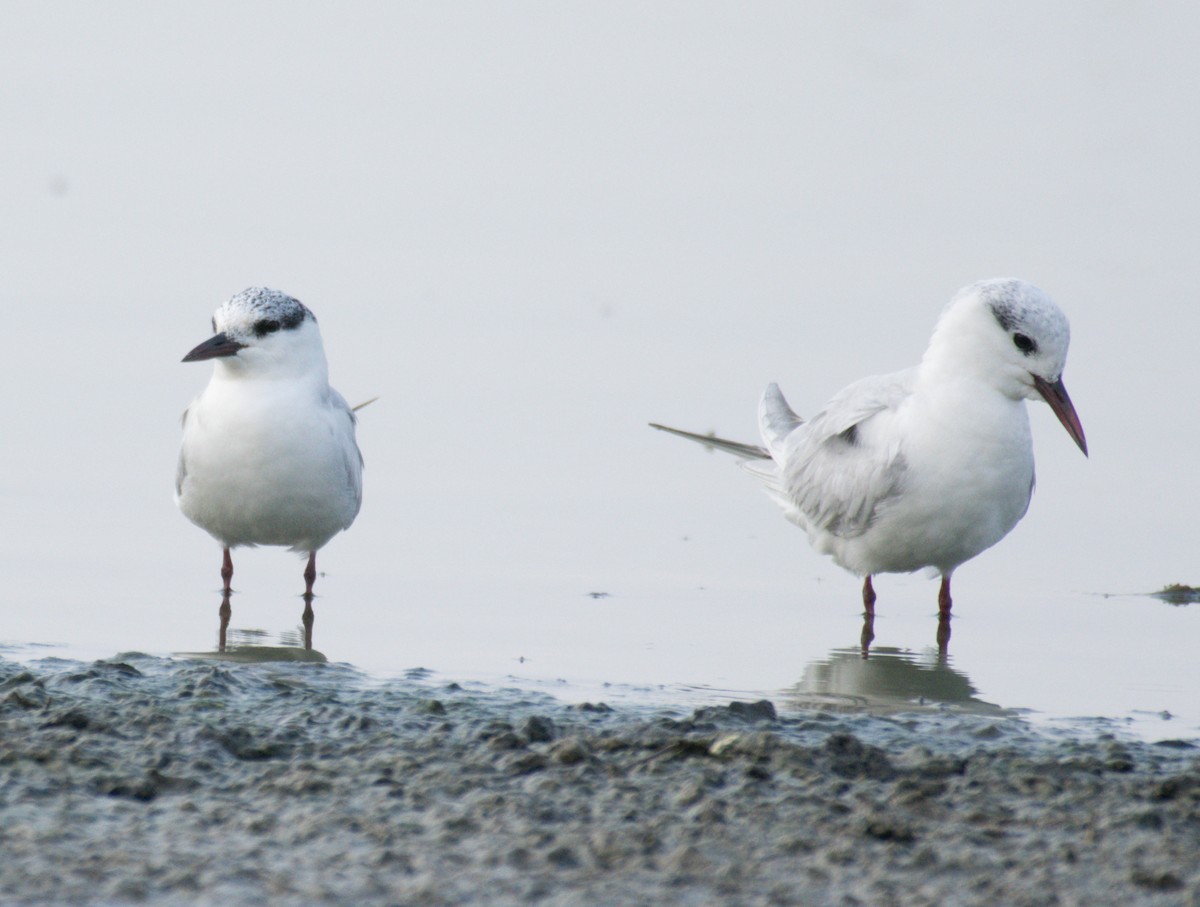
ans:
x=1012 y=333
x=263 y=331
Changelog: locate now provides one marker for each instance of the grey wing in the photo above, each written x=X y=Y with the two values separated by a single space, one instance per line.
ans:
x=836 y=471
x=351 y=455
x=181 y=466
x=180 y=474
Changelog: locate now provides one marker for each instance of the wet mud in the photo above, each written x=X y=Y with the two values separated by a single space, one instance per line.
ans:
x=142 y=780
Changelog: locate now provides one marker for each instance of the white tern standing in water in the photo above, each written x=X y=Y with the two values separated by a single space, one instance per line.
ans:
x=927 y=467
x=268 y=454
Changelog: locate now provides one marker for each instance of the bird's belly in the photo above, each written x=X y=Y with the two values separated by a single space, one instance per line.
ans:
x=248 y=487
x=944 y=520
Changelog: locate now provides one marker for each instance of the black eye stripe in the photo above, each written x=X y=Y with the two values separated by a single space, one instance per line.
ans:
x=265 y=326
x=1024 y=343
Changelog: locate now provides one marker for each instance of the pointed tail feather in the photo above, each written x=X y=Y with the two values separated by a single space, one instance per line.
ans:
x=750 y=451
x=775 y=418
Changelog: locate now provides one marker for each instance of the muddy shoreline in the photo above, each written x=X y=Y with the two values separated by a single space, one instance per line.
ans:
x=141 y=780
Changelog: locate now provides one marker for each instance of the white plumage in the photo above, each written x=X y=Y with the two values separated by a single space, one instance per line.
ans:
x=269 y=455
x=927 y=467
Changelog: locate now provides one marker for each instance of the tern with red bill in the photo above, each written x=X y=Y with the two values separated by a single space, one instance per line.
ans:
x=924 y=468
x=269 y=455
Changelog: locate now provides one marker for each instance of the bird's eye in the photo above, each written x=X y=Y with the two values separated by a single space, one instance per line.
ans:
x=264 y=327
x=1024 y=343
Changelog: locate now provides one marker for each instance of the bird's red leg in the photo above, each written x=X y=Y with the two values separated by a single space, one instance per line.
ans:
x=310 y=574
x=869 y=597
x=944 y=605
x=868 y=627
x=227 y=571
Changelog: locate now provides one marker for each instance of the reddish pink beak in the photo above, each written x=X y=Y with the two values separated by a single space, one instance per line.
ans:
x=1056 y=395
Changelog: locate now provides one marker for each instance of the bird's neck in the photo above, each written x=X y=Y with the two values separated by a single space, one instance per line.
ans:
x=314 y=373
x=955 y=402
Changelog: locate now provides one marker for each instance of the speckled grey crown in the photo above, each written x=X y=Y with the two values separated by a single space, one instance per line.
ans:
x=1019 y=304
x=268 y=303
x=261 y=311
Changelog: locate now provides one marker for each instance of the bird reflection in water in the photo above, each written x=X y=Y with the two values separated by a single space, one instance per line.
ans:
x=890 y=679
x=226 y=612
x=868 y=629
x=251 y=644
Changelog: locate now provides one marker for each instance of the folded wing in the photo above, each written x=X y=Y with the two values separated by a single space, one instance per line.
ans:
x=834 y=473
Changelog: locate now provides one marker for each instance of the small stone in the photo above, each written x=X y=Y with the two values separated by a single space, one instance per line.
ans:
x=851 y=758
x=569 y=751
x=688 y=861
x=74 y=719
x=762 y=710
x=506 y=740
x=757 y=744
x=607 y=849
x=1151 y=821
x=524 y=763
x=913 y=790
x=19 y=679
x=690 y=794
x=519 y=858
x=1175 y=744
x=118 y=667
x=1118 y=759
x=925 y=858
x=1156 y=879
x=710 y=811
x=143 y=789
x=724 y=743
x=797 y=844
x=562 y=858
x=885 y=828
x=26 y=699
x=537 y=729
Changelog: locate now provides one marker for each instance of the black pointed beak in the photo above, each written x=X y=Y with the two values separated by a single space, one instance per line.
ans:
x=1056 y=395
x=214 y=348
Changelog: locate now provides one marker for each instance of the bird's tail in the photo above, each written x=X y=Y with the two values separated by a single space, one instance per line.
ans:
x=748 y=451
x=775 y=419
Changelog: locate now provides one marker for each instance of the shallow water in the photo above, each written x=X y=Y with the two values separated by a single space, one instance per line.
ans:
x=528 y=252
